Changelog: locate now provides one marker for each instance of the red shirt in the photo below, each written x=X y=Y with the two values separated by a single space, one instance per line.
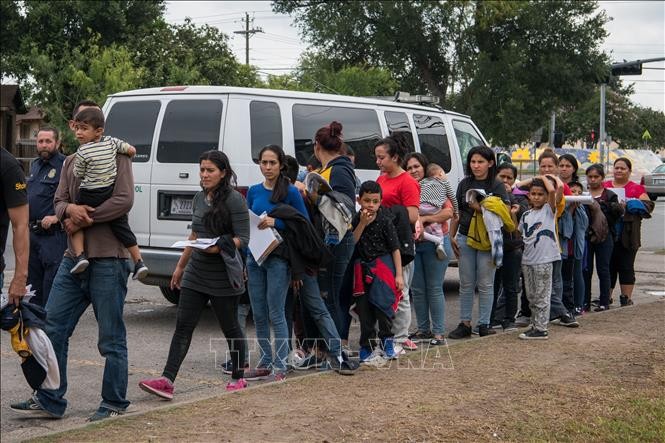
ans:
x=633 y=190
x=401 y=190
x=566 y=189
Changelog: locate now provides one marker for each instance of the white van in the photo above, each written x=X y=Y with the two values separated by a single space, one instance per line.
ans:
x=170 y=127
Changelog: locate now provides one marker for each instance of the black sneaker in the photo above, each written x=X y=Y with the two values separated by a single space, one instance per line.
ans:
x=342 y=366
x=103 y=413
x=625 y=301
x=462 y=331
x=508 y=326
x=140 y=270
x=227 y=367
x=601 y=308
x=534 y=334
x=30 y=407
x=80 y=265
x=566 y=320
x=485 y=330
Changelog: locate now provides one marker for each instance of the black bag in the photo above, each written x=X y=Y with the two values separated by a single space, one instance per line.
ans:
x=407 y=246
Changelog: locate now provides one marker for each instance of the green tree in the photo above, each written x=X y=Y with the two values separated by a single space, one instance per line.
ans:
x=532 y=58
x=512 y=62
x=89 y=72
x=410 y=39
x=191 y=55
x=316 y=73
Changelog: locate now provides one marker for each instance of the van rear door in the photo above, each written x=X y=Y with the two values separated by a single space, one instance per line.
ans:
x=136 y=122
x=189 y=126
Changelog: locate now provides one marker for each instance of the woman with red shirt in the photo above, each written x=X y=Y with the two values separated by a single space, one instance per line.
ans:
x=399 y=188
x=622 y=263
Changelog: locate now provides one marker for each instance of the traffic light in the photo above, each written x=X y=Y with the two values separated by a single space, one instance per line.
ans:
x=628 y=68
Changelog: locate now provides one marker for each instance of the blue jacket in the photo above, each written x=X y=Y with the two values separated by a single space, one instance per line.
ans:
x=573 y=227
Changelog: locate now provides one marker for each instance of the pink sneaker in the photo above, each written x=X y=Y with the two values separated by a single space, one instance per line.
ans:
x=160 y=386
x=236 y=385
x=279 y=376
x=409 y=345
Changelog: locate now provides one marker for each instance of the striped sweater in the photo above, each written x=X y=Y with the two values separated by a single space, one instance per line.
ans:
x=95 y=162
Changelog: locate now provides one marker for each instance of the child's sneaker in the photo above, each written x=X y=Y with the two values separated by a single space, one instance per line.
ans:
x=140 y=270
x=534 y=334
x=388 y=348
x=375 y=359
x=160 y=386
x=441 y=252
x=364 y=353
x=279 y=376
x=236 y=385
x=80 y=265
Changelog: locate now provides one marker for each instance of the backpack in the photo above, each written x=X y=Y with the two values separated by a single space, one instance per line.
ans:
x=407 y=246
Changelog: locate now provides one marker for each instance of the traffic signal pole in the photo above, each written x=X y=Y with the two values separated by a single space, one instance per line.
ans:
x=616 y=69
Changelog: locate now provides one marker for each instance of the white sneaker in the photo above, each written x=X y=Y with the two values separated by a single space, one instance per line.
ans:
x=376 y=359
x=441 y=252
x=399 y=350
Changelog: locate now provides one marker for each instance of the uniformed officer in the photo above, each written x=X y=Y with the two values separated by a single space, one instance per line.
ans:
x=48 y=240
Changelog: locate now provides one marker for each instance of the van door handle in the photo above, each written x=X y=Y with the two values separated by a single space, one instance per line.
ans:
x=184 y=175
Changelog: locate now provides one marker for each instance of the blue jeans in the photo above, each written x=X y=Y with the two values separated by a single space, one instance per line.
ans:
x=331 y=278
x=579 y=286
x=267 y=285
x=314 y=307
x=476 y=269
x=104 y=285
x=427 y=286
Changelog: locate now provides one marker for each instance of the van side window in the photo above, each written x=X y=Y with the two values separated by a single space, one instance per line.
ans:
x=134 y=122
x=265 y=123
x=467 y=137
x=433 y=140
x=361 y=130
x=190 y=128
x=398 y=122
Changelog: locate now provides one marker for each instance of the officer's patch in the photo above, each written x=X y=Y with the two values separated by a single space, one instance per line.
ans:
x=51 y=173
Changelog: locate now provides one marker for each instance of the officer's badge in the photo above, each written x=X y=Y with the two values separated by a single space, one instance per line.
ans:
x=51 y=173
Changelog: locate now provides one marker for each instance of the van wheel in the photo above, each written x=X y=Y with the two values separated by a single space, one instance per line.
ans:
x=653 y=197
x=172 y=295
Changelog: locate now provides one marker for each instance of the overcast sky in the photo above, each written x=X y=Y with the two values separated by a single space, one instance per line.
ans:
x=637 y=31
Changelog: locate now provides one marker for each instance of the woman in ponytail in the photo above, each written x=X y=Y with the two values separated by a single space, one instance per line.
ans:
x=399 y=188
x=268 y=282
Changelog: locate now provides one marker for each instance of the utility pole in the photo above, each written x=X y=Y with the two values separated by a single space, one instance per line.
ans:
x=248 y=33
x=552 y=129
x=602 y=136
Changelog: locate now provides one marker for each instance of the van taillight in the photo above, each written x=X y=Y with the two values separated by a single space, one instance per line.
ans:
x=242 y=190
x=173 y=88
x=642 y=181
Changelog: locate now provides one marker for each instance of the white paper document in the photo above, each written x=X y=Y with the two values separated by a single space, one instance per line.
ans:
x=261 y=241
x=199 y=243
x=620 y=192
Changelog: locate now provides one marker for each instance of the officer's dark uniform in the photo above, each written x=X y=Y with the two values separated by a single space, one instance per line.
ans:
x=46 y=247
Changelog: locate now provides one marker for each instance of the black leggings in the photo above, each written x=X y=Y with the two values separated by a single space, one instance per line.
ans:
x=622 y=265
x=190 y=307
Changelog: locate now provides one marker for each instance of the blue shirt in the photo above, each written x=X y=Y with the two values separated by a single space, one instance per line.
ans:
x=42 y=183
x=258 y=200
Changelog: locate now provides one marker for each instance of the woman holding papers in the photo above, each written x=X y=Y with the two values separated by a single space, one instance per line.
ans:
x=268 y=281
x=628 y=240
x=201 y=274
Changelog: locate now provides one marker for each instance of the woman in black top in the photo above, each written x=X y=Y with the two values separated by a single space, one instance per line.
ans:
x=201 y=275
x=476 y=268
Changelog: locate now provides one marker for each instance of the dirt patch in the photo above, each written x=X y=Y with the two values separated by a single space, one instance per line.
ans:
x=601 y=382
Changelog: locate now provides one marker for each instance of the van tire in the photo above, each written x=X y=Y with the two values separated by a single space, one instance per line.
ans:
x=172 y=295
x=653 y=197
